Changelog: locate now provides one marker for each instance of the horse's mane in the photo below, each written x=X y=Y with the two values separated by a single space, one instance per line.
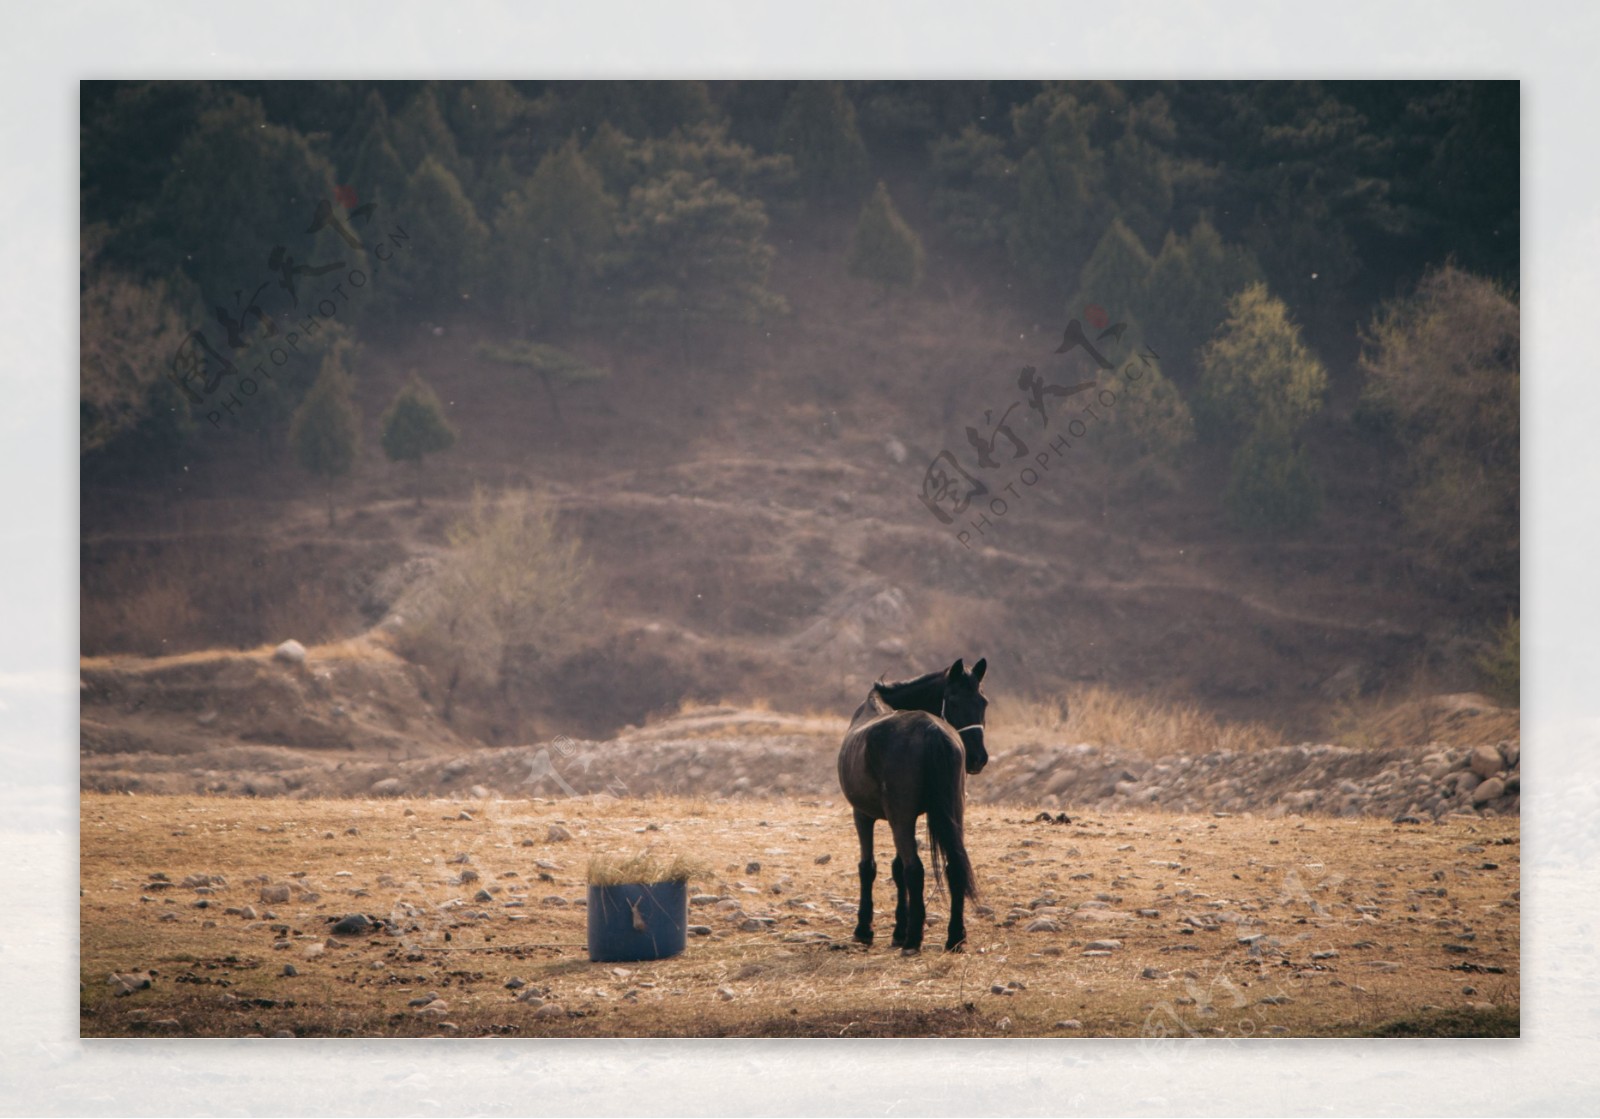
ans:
x=903 y=691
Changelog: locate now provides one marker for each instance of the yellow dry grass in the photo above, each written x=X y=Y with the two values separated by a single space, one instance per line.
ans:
x=1139 y=725
x=1362 y=925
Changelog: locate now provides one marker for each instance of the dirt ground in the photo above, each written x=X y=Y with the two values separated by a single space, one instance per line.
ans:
x=1228 y=926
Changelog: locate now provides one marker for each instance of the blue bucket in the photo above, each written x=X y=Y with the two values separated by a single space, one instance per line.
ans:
x=637 y=921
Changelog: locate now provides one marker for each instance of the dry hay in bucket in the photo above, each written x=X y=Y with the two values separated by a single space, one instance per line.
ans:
x=645 y=869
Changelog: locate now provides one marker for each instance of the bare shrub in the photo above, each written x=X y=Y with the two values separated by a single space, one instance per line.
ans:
x=504 y=598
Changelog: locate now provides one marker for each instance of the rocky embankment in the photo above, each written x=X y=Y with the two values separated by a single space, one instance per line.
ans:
x=725 y=752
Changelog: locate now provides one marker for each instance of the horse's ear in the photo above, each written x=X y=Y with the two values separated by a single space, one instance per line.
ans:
x=956 y=671
x=979 y=669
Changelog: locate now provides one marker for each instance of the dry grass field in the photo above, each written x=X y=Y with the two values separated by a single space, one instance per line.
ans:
x=1127 y=924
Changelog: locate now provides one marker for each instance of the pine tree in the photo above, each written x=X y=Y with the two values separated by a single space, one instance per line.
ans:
x=551 y=238
x=1187 y=293
x=326 y=432
x=1259 y=384
x=819 y=130
x=1257 y=376
x=884 y=249
x=691 y=251
x=1061 y=200
x=1114 y=276
x=442 y=264
x=414 y=425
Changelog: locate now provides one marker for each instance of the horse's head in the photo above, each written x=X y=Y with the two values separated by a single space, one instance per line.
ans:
x=964 y=707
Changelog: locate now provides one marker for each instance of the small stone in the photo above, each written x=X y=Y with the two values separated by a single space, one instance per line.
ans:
x=549 y=1010
x=557 y=834
x=283 y=1033
x=699 y=930
x=1069 y=1024
x=1488 y=791
x=289 y=970
x=1104 y=945
x=515 y=984
x=1042 y=925
x=291 y=652
x=1152 y=973
x=823 y=860
x=752 y=867
x=356 y=924
x=725 y=994
x=1275 y=1000
x=1330 y=954
x=275 y=895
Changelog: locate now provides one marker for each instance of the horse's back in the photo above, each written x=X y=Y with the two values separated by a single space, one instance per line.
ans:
x=893 y=750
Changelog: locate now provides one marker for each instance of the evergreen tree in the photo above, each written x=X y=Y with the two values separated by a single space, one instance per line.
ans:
x=819 y=130
x=375 y=169
x=326 y=432
x=421 y=133
x=975 y=196
x=1187 y=294
x=551 y=239
x=884 y=248
x=1114 y=276
x=443 y=262
x=1146 y=435
x=239 y=186
x=1257 y=375
x=1259 y=384
x=1061 y=199
x=692 y=251
x=414 y=425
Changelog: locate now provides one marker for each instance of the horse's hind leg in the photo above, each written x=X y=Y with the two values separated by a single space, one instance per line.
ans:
x=905 y=845
x=899 y=938
x=869 y=872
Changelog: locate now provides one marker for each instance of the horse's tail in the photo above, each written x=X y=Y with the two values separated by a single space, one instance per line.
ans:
x=945 y=793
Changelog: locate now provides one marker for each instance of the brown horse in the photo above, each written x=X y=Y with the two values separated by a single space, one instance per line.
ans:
x=900 y=761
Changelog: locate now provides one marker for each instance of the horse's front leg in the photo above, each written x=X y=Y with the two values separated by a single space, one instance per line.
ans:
x=869 y=872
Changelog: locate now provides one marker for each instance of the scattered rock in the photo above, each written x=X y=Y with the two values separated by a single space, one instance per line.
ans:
x=1485 y=761
x=289 y=970
x=290 y=652
x=1042 y=925
x=355 y=924
x=557 y=834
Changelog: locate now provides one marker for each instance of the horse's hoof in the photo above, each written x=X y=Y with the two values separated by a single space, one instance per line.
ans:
x=911 y=951
x=897 y=942
x=863 y=938
x=958 y=946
